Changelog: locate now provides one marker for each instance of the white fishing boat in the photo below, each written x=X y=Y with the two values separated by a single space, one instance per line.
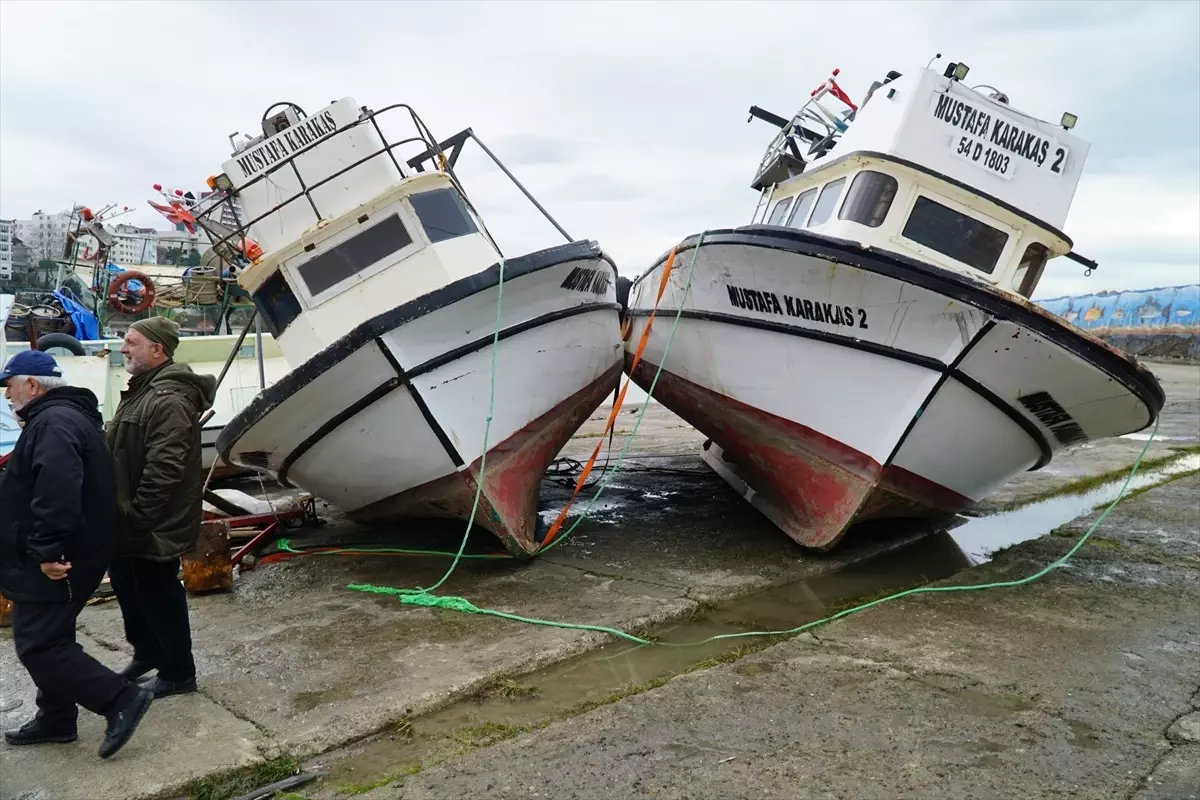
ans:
x=867 y=348
x=379 y=281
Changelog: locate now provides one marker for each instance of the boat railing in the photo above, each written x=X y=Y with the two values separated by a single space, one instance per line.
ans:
x=434 y=152
x=814 y=124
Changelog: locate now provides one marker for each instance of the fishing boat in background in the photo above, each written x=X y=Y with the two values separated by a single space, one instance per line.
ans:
x=866 y=348
x=380 y=282
x=99 y=366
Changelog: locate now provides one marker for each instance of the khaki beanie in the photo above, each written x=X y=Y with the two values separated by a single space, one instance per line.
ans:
x=159 y=329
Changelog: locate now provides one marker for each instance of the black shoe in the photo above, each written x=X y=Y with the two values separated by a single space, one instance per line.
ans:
x=37 y=732
x=135 y=669
x=123 y=723
x=163 y=688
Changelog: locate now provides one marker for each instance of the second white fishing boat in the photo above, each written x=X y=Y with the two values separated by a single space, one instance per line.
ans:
x=871 y=350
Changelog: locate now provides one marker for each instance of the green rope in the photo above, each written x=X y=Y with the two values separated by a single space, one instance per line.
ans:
x=410 y=595
x=687 y=288
x=463 y=605
x=425 y=597
x=285 y=545
x=466 y=606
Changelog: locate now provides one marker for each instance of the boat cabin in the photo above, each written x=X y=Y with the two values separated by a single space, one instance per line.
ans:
x=931 y=169
x=347 y=232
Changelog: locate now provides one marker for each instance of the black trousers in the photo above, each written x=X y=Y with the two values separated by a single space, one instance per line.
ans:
x=154 y=607
x=65 y=675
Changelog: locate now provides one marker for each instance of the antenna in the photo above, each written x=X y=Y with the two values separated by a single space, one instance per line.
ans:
x=935 y=58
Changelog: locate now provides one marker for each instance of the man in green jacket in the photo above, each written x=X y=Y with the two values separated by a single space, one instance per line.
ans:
x=154 y=437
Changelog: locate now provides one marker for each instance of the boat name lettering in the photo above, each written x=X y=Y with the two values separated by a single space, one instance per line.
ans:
x=989 y=139
x=582 y=279
x=287 y=143
x=1054 y=417
x=768 y=302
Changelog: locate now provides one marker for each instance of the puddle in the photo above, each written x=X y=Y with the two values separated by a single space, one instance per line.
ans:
x=606 y=673
x=980 y=537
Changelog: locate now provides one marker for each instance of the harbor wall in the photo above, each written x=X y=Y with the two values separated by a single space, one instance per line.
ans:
x=1155 y=323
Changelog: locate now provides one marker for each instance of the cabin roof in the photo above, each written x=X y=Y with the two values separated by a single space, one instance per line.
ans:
x=815 y=176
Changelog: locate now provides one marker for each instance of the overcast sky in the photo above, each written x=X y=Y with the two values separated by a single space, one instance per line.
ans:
x=626 y=120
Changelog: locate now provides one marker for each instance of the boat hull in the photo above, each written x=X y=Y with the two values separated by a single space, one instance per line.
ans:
x=838 y=384
x=388 y=423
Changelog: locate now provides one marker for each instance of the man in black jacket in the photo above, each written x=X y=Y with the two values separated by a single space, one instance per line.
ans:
x=57 y=534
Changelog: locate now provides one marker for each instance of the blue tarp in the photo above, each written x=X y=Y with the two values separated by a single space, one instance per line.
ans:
x=1166 y=309
x=132 y=286
x=87 y=327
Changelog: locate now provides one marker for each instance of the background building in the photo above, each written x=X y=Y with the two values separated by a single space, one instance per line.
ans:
x=6 y=249
x=45 y=234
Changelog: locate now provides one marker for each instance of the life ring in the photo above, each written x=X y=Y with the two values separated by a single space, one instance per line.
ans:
x=63 y=340
x=114 y=293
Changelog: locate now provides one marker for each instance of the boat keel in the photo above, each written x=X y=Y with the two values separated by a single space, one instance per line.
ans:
x=512 y=474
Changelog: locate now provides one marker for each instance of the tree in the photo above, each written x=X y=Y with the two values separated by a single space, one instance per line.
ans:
x=193 y=258
x=44 y=244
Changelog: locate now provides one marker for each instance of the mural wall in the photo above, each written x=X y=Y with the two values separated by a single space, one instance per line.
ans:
x=1163 y=322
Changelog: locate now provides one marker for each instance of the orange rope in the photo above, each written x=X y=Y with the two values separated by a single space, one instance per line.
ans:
x=616 y=409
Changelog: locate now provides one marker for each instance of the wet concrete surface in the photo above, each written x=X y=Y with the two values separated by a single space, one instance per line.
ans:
x=291 y=662
x=1067 y=687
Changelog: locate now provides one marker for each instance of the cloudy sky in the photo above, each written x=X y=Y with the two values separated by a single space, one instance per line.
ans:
x=626 y=120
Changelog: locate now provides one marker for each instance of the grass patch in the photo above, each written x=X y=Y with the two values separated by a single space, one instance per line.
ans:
x=736 y=654
x=383 y=780
x=702 y=608
x=1105 y=543
x=402 y=728
x=1084 y=485
x=620 y=694
x=242 y=781
x=506 y=687
x=475 y=737
x=1141 y=490
x=598 y=434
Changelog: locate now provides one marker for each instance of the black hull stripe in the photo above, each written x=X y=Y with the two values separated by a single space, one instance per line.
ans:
x=434 y=425
x=438 y=431
x=1016 y=416
x=273 y=396
x=889 y=352
x=1138 y=380
x=520 y=327
x=912 y=423
x=792 y=330
x=320 y=433
x=405 y=378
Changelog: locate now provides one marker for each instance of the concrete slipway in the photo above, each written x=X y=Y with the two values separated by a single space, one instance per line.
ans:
x=1084 y=684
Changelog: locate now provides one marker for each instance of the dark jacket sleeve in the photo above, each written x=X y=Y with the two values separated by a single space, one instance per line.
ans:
x=168 y=439
x=56 y=476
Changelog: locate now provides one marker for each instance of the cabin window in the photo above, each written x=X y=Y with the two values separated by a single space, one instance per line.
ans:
x=276 y=303
x=1029 y=271
x=826 y=202
x=354 y=255
x=803 y=204
x=869 y=199
x=956 y=235
x=442 y=214
x=781 y=209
